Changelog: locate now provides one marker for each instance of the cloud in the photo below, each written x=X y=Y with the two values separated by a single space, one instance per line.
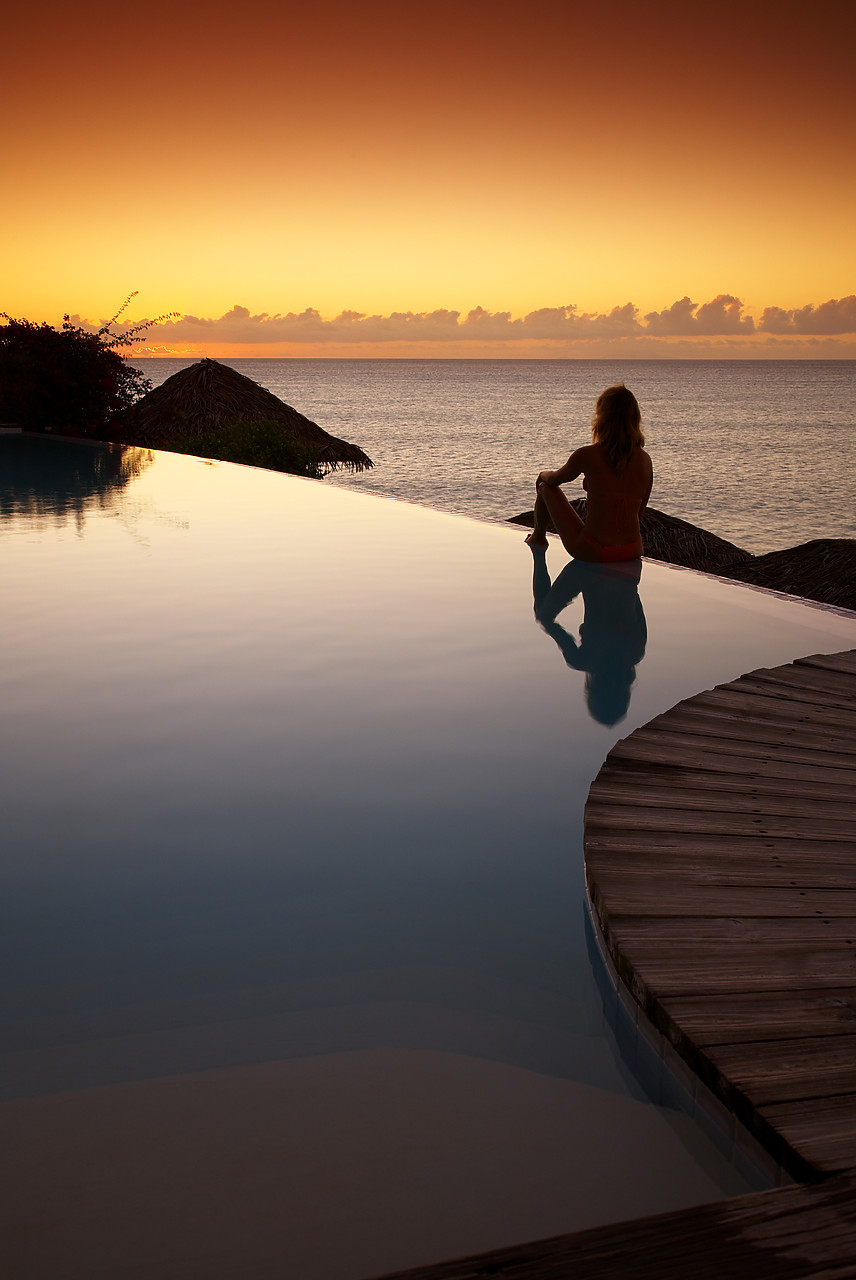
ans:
x=558 y=330
x=838 y=315
x=240 y=326
x=551 y=323
x=723 y=315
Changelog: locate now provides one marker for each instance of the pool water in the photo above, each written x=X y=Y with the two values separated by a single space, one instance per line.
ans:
x=296 y=978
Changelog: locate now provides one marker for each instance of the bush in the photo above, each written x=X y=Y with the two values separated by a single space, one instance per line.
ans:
x=66 y=380
x=261 y=443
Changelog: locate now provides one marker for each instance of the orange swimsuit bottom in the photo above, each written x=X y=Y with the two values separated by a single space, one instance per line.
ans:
x=630 y=551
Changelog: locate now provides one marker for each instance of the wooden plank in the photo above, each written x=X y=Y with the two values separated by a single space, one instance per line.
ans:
x=675 y=743
x=739 y=709
x=738 y=728
x=738 y=877
x=845 y=662
x=691 y=969
x=649 y=818
x=811 y=703
x=632 y=894
x=792 y=1233
x=748 y=798
x=734 y=932
x=764 y=765
x=784 y=712
x=616 y=778
x=769 y=878
x=769 y=770
x=723 y=726
x=711 y=852
x=763 y=691
x=796 y=675
x=791 y=1070
x=822 y=1129
x=794 y=680
x=689 y=855
x=753 y=707
x=795 y=702
x=763 y=1015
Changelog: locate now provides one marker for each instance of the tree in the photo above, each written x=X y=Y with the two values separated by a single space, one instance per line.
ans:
x=67 y=380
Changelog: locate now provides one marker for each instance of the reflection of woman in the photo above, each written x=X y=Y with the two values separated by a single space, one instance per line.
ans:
x=617 y=477
x=613 y=634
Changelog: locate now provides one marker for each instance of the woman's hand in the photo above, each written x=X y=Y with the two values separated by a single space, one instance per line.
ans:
x=545 y=477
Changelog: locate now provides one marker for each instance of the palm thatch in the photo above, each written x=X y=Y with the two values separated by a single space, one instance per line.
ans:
x=823 y=569
x=678 y=542
x=673 y=541
x=209 y=396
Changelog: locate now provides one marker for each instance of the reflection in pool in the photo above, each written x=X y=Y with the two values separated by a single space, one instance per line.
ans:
x=292 y=913
x=613 y=633
x=62 y=480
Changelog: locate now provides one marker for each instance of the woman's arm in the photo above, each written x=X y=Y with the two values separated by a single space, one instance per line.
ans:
x=573 y=467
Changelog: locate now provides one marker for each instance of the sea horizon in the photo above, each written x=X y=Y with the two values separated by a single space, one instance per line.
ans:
x=511 y=359
x=758 y=452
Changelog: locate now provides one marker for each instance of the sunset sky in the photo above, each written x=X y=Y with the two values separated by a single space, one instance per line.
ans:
x=411 y=179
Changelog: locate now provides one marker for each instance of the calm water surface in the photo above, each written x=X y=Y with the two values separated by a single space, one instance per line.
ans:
x=291 y=791
x=762 y=453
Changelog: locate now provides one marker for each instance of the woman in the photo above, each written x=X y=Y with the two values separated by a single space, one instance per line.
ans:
x=617 y=477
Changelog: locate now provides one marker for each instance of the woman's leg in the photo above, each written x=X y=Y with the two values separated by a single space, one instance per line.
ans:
x=570 y=528
x=541 y=516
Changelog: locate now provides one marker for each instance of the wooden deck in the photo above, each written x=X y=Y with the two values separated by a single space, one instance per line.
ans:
x=797 y=1233
x=721 y=865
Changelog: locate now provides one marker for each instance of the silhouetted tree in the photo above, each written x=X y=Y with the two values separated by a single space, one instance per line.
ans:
x=67 y=380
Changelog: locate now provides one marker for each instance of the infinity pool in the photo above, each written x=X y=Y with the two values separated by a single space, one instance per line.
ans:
x=296 y=979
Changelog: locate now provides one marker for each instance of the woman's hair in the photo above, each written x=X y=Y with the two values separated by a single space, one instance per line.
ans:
x=617 y=425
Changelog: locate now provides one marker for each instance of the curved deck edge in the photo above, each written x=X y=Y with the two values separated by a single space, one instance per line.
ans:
x=720 y=851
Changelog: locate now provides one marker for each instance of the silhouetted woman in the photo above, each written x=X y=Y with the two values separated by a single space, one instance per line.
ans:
x=617 y=477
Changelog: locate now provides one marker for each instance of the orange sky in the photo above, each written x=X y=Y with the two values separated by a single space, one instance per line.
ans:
x=383 y=158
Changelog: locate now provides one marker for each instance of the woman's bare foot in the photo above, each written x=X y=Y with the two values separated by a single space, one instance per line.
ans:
x=536 y=539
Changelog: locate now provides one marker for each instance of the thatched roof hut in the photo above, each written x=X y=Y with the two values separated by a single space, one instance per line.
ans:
x=673 y=541
x=823 y=570
x=209 y=396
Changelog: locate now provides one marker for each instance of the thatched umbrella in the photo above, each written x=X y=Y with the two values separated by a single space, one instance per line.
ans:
x=823 y=570
x=674 y=541
x=209 y=396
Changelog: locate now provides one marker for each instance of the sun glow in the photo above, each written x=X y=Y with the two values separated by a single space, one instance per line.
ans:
x=399 y=161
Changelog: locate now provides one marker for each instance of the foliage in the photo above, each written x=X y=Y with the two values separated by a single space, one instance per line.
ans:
x=66 y=380
x=257 y=443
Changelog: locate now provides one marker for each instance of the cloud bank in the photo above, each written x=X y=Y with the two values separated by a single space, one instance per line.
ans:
x=723 y=315
x=720 y=326
x=836 y=316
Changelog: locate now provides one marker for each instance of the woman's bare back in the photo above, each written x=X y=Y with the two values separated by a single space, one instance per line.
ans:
x=614 y=498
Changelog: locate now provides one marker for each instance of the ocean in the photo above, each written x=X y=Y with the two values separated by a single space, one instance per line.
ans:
x=762 y=453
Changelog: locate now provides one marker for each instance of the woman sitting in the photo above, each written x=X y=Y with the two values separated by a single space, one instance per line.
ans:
x=617 y=477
